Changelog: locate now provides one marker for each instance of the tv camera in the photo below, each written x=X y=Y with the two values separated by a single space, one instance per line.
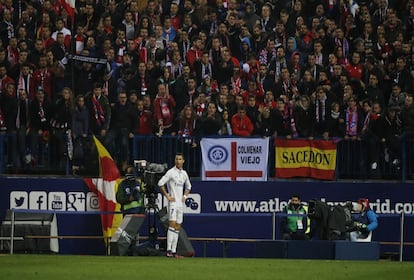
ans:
x=149 y=175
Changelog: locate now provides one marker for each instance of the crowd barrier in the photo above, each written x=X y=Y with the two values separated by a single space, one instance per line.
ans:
x=260 y=242
x=352 y=158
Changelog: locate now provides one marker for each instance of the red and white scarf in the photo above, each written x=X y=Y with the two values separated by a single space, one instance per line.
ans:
x=99 y=112
x=236 y=85
x=24 y=82
x=351 y=122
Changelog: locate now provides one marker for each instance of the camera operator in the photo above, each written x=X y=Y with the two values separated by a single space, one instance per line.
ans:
x=294 y=225
x=178 y=185
x=365 y=220
x=129 y=195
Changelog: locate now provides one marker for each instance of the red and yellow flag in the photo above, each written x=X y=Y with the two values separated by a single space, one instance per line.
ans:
x=106 y=186
x=305 y=158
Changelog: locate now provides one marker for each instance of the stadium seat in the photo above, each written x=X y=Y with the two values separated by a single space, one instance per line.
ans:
x=367 y=239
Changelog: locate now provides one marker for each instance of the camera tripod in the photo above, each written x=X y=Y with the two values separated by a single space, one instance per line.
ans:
x=152 y=227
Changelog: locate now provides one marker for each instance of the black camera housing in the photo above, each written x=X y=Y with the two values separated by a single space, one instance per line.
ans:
x=150 y=174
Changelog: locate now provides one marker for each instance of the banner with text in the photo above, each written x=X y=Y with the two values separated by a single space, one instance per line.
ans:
x=234 y=159
x=305 y=158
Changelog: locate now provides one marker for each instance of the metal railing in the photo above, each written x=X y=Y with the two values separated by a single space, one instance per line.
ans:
x=352 y=158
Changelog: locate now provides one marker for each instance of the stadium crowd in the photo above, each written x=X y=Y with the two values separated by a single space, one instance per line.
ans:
x=283 y=68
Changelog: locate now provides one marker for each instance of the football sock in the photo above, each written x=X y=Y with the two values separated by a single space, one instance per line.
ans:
x=170 y=237
x=175 y=241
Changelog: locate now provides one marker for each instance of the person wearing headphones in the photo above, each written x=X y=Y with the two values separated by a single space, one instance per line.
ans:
x=129 y=195
x=365 y=220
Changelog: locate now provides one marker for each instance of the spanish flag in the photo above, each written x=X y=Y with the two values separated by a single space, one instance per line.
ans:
x=305 y=158
x=106 y=186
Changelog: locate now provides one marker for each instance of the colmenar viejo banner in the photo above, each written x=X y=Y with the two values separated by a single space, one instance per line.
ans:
x=234 y=159
x=305 y=158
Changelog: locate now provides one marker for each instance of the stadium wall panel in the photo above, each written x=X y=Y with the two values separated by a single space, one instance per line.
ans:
x=216 y=209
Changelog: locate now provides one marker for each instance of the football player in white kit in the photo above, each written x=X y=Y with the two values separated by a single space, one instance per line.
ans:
x=175 y=186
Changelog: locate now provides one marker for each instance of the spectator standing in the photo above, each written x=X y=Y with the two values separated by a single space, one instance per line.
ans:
x=241 y=124
x=186 y=125
x=267 y=22
x=402 y=76
x=164 y=107
x=335 y=122
x=226 y=125
x=397 y=98
x=194 y=53
x=287 y=86
x=86 y=74
x=7 y=27
x=322 y=109
x=99 y=111
x=203 y=67
x=353 y=119
x=8 y=112
x=306 y=86
x=145 y=119
x=61 y=123
x=22 y=128
x=374 y=92
x=25 y=80
x=210 y=122
x=43 y=77
x=34 y=55
x=304 y=117
x=4 y=78
x=283 y=120
x=407 y=116
x=188 y=96
x=389 y=132
x=255 y=91
x=129 y=25
x=40 y=113
x=264 y=125
x=121 y=129
x=371 y=132
x=60 y=28
x=80 y=132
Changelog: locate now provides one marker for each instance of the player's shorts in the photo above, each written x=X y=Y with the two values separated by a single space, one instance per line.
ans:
x=175 y=213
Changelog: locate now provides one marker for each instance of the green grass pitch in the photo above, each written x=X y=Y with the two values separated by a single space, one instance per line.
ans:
x=61 y=267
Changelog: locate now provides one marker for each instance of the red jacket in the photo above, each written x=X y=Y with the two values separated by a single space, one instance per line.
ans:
x=241 y=126
x=43 y=78
x=354 y=71
x=164 y=110
x=4 y=81
x=145 y=123
x=192 y=56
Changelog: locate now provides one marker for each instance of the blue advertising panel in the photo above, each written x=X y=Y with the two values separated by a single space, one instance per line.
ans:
x=214 y=209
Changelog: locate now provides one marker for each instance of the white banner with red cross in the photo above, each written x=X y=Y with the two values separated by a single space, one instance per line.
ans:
x=234 y=159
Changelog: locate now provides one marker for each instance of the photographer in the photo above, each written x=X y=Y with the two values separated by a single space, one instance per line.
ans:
x=175 y=186
x=128 y=194
x=295 y=224
x=365 y=220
